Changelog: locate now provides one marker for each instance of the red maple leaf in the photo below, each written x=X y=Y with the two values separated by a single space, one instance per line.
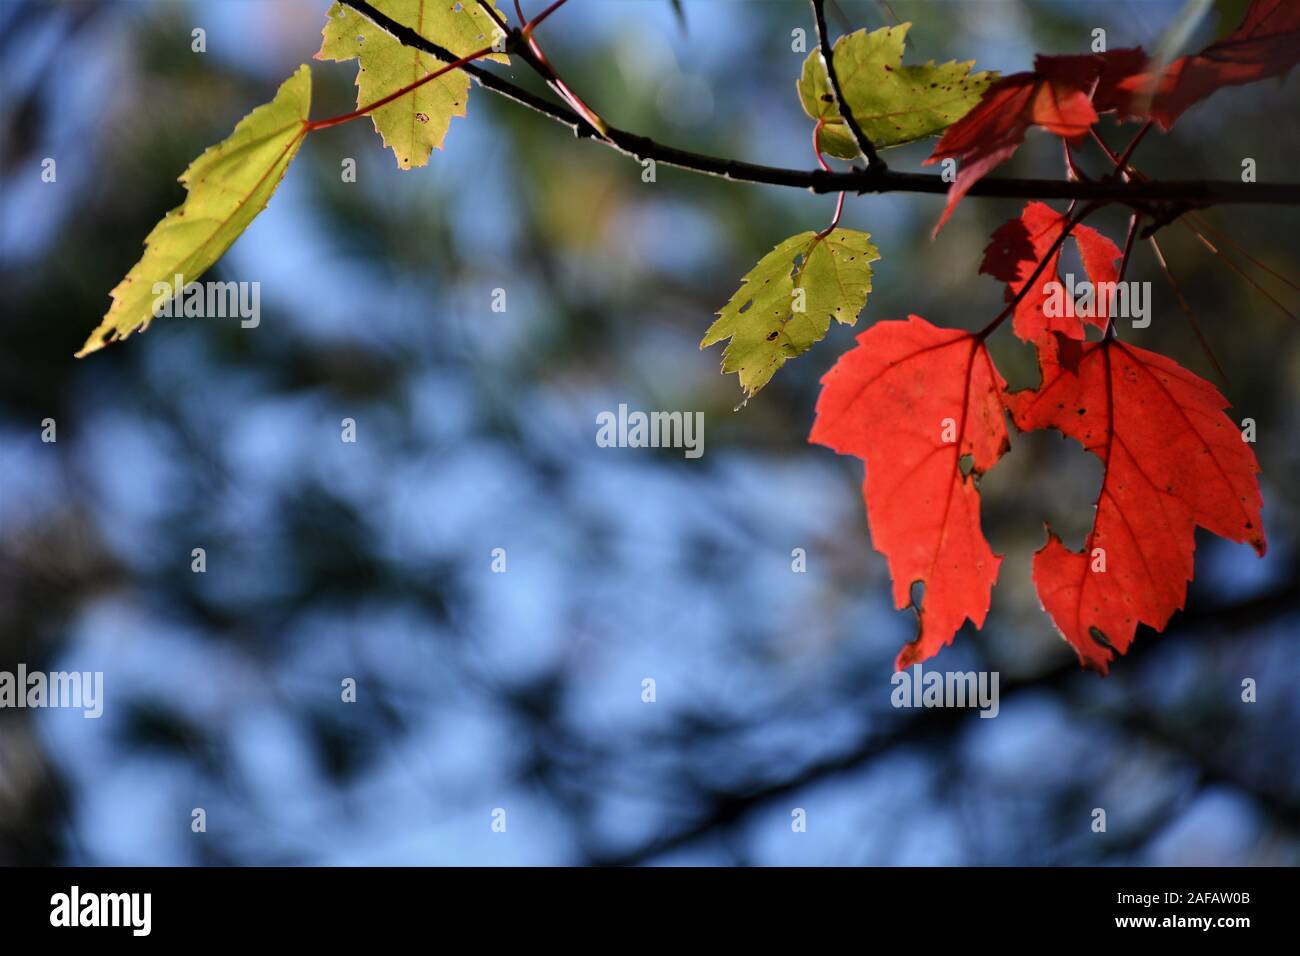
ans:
x=1267 y=43
x=995 y=127
x=1096 y=73
x=922 y=406
x=1065 y=94
x=1013 y=254
x=1173 y=460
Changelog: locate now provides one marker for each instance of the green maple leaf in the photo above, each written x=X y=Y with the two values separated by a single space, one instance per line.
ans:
x=785 y=303
x=893 y=104
x=228 y=186
x=412 y=125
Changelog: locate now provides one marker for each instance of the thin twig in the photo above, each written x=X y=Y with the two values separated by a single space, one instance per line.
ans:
x=1242 y=272
x=1133 y=174
x=817 y=151
x=1128 y=245
x=1122 y=162
x=865 y=147
x=1128 y=171
x=1187 y=310
x=1038 y=270
x=1206 y=226
x=536 y=21
x=531 y=53
x=1072 y=170
x=1133 y=221
x=360 y=111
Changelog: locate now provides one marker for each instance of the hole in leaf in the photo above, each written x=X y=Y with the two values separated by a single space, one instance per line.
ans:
x=917 y=594
x=1099 y=636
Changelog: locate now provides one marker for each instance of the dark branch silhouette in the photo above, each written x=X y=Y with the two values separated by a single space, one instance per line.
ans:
x=865 y=146
x=1162 y=200
x=723 y=809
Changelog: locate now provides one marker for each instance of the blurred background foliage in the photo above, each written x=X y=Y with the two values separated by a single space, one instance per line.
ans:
x=523 y=690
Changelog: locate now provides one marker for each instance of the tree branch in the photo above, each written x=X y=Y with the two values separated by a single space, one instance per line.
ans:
x=868 y=151
x=725 y=808
x=1151 y=196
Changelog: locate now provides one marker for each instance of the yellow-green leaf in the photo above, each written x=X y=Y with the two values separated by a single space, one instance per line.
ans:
x=785 y=303
x=228 y=186
x=893 y=104
x=411 y=125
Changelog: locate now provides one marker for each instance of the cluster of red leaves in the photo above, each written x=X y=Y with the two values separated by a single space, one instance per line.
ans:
x=924 y=407
x=1066 y=94
x=1014 y=252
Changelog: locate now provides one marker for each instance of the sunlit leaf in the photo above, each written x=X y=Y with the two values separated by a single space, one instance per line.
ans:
x=228 y=186
x=785 y=303
x=412 y=125
x=915 y=401
x=893 y=104
x=1173 y=461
